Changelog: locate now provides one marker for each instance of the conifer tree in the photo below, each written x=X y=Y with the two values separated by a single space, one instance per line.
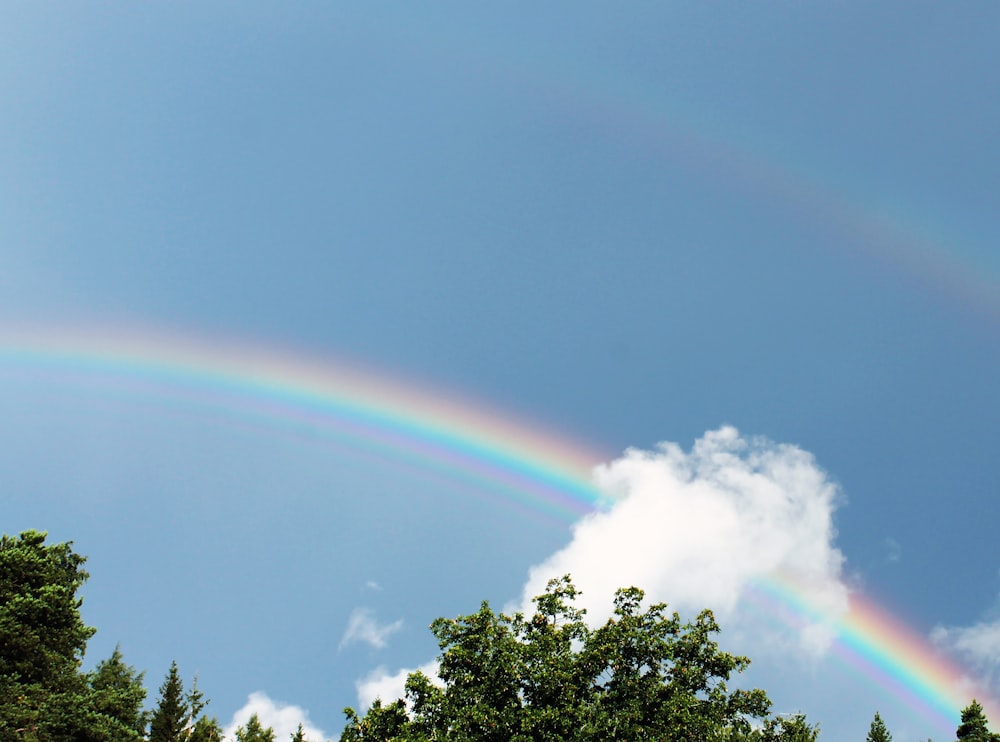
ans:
x=878 y=731
x=254 y=731
x=43 y=694
x=299 y=735
x=170 y=718
x=206 y=730
x=974 y=726
x=117 y=695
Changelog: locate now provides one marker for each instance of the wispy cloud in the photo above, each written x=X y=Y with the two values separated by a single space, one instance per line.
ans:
x=362 y=627
x=283 y=718
x=893 y=551
x=979 y=644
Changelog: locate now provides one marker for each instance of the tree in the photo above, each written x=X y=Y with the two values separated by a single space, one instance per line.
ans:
x=43 y=694
x=974 y=726
x=878 y=731
x=792 y=728
x=116 y=699
x=206 y=730
x=299 y=735
x=170 y=718
x=178 y=715
x=643 y=675
x=254 y=731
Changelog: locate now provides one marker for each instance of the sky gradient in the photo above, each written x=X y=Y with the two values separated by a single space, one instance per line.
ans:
x=762 y=237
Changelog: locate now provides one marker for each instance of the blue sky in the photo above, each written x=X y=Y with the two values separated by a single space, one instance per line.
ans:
x=630 y=225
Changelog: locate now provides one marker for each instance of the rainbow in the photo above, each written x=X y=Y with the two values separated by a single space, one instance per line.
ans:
x=516 y=459
x=889 y=655
x=936 y=255
x=342 y=402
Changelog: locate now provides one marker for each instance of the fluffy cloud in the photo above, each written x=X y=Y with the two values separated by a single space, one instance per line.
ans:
x=362 y=627
x=705 y=528
x=283 y=718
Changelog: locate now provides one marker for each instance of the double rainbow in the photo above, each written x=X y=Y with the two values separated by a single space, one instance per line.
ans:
x=536 y=468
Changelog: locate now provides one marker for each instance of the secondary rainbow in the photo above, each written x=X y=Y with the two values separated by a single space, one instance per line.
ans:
x=512 y=458
x=941 y=257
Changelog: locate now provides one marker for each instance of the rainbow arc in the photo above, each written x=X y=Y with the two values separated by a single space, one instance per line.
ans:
x=542 y=470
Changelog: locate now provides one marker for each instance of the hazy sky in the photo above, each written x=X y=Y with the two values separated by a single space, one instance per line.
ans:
x=619 y=226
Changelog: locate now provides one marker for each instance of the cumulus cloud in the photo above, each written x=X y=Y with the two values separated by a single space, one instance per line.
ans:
x=362 y=627
x=389 y=686
x=283 y=718
x=704 y=528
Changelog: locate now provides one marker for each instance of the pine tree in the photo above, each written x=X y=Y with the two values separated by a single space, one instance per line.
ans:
x=878 y=731
x=254 y=731
x=116 y=699
x=206 y=730
x=43 y=694
x=300 y=735
x=170 y=719
x=974 y=726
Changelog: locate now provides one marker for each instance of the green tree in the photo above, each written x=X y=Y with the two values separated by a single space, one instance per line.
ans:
x=170 y=718
x=974 y=726
x=206 y=730
x=299 y=735
x=382 y=723
x=643 y=675
x=878 y=731
x=254 y=731
x=116 y=699
x=178 y=715
x=792 y=728
x=43 y=694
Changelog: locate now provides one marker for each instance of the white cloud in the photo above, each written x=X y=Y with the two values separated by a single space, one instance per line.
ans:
x=373 y=586
x=283 y=718
x=380 y=683
x=700 y=529
x=362 y=627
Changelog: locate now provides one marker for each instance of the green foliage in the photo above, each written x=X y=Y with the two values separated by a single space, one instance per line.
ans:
x=116 y=699
x=792 y=728
x=974 y=726
x=878 y=731
x=43 y=694
x=254 y=731
x=205 y=730
x=170 y=719
x=178 y=715
x=384 y=723
x=642 y=675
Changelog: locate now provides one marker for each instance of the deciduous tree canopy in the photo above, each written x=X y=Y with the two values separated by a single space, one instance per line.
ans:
x=642 y=675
